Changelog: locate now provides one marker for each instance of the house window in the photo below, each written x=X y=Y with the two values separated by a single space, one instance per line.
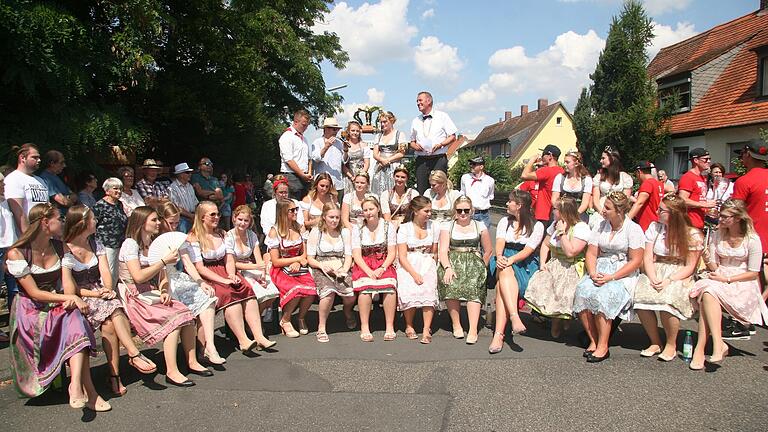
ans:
x=732 y=147
x=559 y=121
x=680 y=89
x=762 y=70
x=679 y=161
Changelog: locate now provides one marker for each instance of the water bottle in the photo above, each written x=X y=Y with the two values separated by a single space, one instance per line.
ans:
x=688 y=346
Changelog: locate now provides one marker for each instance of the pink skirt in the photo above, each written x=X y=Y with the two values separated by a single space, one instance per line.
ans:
x=742 y=300
x=154 y=322
x=291 y=287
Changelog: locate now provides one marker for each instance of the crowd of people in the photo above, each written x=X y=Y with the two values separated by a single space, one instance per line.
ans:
x=572 y=246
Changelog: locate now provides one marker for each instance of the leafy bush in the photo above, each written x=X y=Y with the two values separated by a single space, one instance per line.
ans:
x=506 y=175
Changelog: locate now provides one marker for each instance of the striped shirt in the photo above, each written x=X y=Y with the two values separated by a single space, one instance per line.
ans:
x=183 y=195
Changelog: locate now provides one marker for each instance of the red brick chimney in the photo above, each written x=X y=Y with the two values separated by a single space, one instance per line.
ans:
x=543 y=103
x=523 y=110
x=507 y=115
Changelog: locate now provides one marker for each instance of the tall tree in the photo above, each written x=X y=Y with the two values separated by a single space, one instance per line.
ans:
x=619 y=109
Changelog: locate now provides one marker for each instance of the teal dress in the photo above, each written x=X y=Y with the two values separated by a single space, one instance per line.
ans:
x=469 y=267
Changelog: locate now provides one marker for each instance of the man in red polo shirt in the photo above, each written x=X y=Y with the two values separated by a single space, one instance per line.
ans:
x=752 y=189
x=544 y=176
x=692 y=187
x=646 y=206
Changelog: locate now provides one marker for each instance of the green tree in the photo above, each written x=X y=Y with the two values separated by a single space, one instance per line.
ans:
x=505 y=175
x=619 y=109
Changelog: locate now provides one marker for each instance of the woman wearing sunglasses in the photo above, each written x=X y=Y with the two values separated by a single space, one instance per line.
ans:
x=217 y=267
x=462 y=272
x=290 y=271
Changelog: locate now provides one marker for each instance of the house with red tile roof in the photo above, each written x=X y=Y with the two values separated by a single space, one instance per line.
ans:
x=520 y=138
x=720 y=80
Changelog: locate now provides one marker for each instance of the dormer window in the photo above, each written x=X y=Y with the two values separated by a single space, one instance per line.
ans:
x=680 y=88
x=762 y=74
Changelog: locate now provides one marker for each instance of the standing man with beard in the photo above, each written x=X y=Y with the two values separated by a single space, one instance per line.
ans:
x=431 y=134
x=23 y=189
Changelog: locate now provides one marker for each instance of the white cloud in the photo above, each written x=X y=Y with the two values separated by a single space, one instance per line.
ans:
x=429 y=13
x=659 y=7
x=666 y=36
x=480 y=99
x=561 y=70
x=375 y=96
x=436 y=60
x=478 y=121
x=371 y=34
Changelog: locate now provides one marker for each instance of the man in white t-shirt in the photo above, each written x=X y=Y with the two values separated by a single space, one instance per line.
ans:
x=480 y=188
x=23 y=189
x=431 y=134
x=328 y=154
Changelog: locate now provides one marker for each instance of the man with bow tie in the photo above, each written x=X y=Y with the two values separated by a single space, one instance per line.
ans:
x=431 y=134
x=479 y=187
x=294 y=156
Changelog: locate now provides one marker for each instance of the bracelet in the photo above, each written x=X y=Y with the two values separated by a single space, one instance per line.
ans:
x=446 y=268
x=163 y=261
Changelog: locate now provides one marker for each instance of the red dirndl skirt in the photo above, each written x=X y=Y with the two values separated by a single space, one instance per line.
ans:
x=291 y=287
x=387 y=282
x=228 y=294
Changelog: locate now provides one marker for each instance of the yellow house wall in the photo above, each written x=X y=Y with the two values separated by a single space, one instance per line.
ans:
x=562 y=136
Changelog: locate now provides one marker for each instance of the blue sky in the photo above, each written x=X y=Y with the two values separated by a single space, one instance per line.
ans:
x=484 y=57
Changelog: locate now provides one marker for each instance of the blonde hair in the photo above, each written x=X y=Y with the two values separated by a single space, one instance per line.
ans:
x=462 y=199
x=620 y=202
x=678 y=238
x=439 y=176
x=740 y=213
x=569 y=210
x=198 y=228
x=327 y=207
x=389 y=116
x=373 y=200
x=318 y=178
x=282 y=222
x=76 y=221
x=242 y=209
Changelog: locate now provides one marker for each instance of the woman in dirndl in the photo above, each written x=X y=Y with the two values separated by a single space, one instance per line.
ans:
x=551 y=289
x=243 y=244
x=351 y=204
x=388 y=152
x=329 y=254
x=217 y=267
x=290 y=271
x=374 y=251
x=517 y=237
x=462 y=273
x=614 y=255
x=48 y=327
x=734 y=259
x=672 y=249
x=85 y=271
x=395 y=201
x=443 y=195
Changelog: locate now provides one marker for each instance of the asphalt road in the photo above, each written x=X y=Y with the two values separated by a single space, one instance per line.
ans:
x=535 y=383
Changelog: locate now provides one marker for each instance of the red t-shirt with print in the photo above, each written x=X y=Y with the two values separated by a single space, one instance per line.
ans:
x=696 y=185
x=649 y=212
x=545 y=177
x=752 y=188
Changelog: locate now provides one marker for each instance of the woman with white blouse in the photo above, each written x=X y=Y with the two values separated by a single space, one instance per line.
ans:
x=609 y=178
x=358 y=156
x=417 y=274
x=517 y=237
x=329 y=254
x=321 y=193
x=374 y=250
x=614 y=255
x=130 y=197
x=394 y=202
x=388 y=150
x=442 y=195
x=575 y=183
x=351 y=204
x=672 y=249
x=734 y=260
x=551 y=289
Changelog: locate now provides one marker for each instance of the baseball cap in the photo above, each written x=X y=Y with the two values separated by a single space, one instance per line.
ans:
x=644 y=166
x=551 y=149
x=697 y=152
x=477 y=161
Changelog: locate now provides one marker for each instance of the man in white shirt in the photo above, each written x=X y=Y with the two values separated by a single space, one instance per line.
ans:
x=431 y=134
x=328 y=154
x=479 y=187
x=294 y=155
x=182 y=193
x=23 y=189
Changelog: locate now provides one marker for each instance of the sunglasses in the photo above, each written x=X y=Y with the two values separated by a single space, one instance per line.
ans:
x=463 y=210
x=293 y=210
x=213 y=214
x=207 y=163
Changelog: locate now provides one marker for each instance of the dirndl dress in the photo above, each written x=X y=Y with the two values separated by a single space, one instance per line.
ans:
x=291 y=285
x=422 y=259
x=374 y=253
x=215 y=261
x=259 y=280
x=382 y=178
x=523 y=270
x=152 y=322
x=613 y=298
x=469 y=268
x=43 y=335
x=88 y=277
x=332 y=255
x=551 y=292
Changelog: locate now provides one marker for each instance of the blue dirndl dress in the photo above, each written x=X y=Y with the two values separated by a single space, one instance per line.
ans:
x=523 y=269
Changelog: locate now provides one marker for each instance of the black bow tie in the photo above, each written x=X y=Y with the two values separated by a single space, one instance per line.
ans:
x=426 y=117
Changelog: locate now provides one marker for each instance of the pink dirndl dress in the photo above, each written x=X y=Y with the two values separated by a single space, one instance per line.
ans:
x=291 y=285
x=373 y=248
x=742 y=300
x=151 y=322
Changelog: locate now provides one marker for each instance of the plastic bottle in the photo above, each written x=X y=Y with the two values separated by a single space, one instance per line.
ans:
x=688 y=346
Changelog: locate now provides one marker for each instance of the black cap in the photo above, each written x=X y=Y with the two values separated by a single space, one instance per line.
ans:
x=756 y=148
x=645 y=166
x=697 y=152
x=477 y=161
x=552 y=150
